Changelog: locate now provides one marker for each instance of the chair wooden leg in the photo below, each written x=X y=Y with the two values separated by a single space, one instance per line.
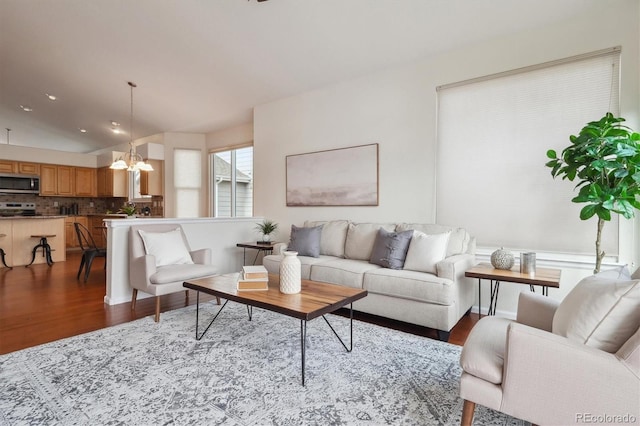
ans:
x=134 y=296
x=157 y=308
x=218 y=300
x=467 y=413
x=186 y=295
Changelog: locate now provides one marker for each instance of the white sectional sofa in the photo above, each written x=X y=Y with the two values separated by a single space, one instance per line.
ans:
x=436 y=299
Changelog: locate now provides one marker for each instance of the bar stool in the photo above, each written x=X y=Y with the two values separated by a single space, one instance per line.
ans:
x=2 y=254
x=46 y=248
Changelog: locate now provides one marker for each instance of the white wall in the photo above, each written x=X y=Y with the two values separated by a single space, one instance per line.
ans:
x=231 y=137
x=397 y=109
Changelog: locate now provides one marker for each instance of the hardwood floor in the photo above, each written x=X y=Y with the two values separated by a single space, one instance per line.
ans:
x=41 y=304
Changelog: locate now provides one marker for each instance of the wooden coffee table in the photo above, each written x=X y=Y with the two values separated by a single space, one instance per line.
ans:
x=315 y=300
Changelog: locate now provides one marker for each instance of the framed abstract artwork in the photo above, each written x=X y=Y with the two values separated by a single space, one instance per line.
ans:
x=336 y=177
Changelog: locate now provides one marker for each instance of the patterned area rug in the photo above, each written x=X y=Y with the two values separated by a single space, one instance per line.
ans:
x=241 y=373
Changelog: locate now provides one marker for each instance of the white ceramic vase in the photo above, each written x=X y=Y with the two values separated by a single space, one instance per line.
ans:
x=290 y=278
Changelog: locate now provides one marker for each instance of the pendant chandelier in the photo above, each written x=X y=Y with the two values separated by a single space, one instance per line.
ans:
x=131 y=161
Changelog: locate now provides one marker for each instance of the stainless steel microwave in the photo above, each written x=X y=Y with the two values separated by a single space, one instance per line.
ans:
x=19 y=184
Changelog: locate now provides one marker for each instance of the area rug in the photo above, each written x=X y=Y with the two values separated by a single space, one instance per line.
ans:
x=241 y=373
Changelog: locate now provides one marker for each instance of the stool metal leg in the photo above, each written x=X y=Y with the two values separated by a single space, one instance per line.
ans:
x=2 y=254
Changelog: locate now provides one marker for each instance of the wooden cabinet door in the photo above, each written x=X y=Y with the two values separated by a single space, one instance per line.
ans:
x=48 y=179
x=70 y=237
x=65 y=180
x=152 y=183
x=103 y=177
x=29 y=168
x=7 y=166
x=85 y=182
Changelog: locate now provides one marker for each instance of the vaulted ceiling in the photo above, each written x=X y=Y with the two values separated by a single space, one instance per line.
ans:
x=202 y=65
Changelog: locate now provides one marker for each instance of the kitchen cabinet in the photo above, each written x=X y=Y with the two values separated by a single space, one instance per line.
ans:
x=111 y=183
x=152 y=183
x=85 y=182
x=65 y=179
x=68 y=181
x=71 y=237
x=8 y=166
x=28 y=168
x=48 y=179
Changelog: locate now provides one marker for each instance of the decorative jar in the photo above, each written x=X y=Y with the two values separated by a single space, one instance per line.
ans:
x=290 y=277
x=502 y=259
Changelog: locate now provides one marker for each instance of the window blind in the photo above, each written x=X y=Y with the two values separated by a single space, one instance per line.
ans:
x=187 y=180
x=493 y=134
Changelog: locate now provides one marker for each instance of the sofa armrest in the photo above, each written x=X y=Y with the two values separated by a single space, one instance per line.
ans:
x=279 y=248
x=454 y=267
x=202 y=256
x=538 y=366
x=536 y=310
x=140 y=269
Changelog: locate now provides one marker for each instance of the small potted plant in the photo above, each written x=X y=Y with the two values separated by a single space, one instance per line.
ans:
x=128 y=209
x=266 y=228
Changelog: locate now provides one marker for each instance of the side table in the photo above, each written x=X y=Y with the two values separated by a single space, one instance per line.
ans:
x=266 y=247
x=544 y=277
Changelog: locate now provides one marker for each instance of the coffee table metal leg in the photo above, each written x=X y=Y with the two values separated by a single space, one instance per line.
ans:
x=198 y=316
x=250 y=311
x=350 y=348
x=303 y=344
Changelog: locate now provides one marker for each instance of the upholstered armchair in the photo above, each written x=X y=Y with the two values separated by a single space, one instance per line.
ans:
x=558 y=364
x=160 y=261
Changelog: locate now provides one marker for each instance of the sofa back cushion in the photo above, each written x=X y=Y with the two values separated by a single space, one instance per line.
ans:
x=333 y=238
x=361 y=237
x=458 y=239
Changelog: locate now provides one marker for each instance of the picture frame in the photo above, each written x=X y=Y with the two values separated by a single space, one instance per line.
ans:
x=335 y=177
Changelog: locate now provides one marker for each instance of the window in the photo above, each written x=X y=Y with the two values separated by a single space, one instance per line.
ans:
x=187 y=181
x=232 y=182
x=493 y=134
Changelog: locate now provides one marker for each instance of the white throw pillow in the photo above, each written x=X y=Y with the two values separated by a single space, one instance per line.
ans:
x=167 y=247
x=600 y=312
x=425 y=251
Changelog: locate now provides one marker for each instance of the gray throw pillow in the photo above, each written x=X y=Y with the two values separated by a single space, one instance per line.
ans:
x=390 y=248
x=306 y=241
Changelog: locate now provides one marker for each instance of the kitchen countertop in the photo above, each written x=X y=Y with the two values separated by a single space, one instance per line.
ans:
x=32 y=217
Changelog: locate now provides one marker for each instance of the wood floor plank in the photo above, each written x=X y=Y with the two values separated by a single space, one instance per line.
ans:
x=41 y=303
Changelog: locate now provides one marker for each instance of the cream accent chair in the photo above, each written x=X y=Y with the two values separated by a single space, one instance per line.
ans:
x=146 y=275
x=524 y=370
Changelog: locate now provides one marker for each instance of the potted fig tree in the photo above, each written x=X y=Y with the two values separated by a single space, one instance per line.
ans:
x=605 y=159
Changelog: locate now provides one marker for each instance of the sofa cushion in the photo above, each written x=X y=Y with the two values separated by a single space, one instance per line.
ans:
x=174 y=273
x=272 y=263
x=334 y=235
x=167 y=247
x=600 y=312
x=360 y=239
x=483 y=353
x=425 y=251
x=410 y=285
x=305 y=241
x=458 y=240
x=348 y=273
x=390 y=248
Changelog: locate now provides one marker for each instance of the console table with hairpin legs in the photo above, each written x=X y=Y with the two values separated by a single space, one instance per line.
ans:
x=544 y=277
x=266 y=247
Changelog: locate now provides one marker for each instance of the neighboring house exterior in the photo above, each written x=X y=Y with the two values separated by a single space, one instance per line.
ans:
x=222 y=189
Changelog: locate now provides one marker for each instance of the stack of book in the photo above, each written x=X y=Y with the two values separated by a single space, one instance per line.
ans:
x=253 y=278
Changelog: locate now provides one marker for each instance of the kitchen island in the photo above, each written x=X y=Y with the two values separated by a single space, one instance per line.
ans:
x=18 y=243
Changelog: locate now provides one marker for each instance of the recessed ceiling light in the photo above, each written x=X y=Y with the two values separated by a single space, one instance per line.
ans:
x=51 y=97
x=115 y=123
x=116 y=131
x=83 y=130
x=26 y=108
